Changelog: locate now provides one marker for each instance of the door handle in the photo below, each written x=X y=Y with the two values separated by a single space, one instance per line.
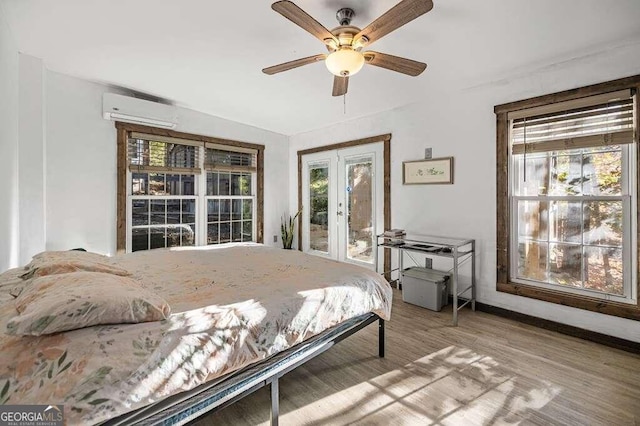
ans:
x=339 y=213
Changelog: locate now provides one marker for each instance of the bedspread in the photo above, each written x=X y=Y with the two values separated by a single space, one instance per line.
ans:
x=231 y=307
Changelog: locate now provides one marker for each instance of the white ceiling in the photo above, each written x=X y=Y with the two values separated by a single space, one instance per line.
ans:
x=208 y=54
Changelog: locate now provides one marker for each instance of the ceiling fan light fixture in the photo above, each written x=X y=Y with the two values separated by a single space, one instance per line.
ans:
x=344 y=62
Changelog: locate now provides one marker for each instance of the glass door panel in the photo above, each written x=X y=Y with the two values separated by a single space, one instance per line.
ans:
x=319 y=208
x=359 y=210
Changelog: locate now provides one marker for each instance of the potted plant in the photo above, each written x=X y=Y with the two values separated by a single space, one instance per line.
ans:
x=287 y=228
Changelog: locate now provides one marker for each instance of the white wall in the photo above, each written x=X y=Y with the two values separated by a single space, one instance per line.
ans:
x=81 y=164
x=9 y=237
x=31 y=155
x=461 y=123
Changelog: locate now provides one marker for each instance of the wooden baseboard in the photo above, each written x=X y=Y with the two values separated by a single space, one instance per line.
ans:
x=603 y=339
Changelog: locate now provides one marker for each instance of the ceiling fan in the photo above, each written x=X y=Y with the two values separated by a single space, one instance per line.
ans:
x=345 y=42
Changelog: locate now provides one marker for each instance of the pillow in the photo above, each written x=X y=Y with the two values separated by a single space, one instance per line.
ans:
x=11 y=283
x=81 y=299
x=46 y=257
x=55 y=267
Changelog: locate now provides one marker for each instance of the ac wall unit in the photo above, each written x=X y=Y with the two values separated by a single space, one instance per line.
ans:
x=138 y=111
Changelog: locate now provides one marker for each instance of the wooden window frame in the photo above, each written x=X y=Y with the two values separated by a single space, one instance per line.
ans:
x=123 y=131
x=503 y=282
x=386 y=165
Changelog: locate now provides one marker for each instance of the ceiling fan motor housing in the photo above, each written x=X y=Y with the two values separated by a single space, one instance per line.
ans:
x=345 y=15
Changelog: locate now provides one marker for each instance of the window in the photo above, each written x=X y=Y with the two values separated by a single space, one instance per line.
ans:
x=567 y=200
x=186 y=190
x=230 y=199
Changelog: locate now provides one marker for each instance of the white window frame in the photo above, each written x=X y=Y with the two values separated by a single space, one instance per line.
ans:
x=254 y=207
x=629 y=234
x=200 y=197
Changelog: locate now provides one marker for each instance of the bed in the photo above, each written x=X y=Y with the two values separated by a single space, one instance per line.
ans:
x=241 y=317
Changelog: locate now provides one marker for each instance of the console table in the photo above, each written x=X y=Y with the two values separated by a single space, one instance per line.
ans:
x=458 y=249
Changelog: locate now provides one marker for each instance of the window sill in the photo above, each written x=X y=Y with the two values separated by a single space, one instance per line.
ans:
x=623 y=310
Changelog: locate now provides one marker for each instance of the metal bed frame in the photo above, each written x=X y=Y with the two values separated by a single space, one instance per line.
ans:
x=210 y=397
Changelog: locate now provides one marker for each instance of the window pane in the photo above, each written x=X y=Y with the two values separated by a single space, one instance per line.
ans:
x=188 y=184
x=247 y=209
x=139 y=183
x=603 y=269
x=225 y=209
x=188 y=211
x=139 y=212
x=173 y=185
x=536 y=174
x=603 y=173
x=602 y=148
x=225 y=232
x=236 y=231
x=212 y=233
x=181 y=155
x=235 y=184
x=603 y=223
x=212 y=184
x=565 y=264
x=188 y=233
x=173 y=235
x=228 y=158
x=173 y=211
x=158 y=212
x=236 y=209
x=156 y=184
x=565 y=221
x=247 y=230
x=213 y=211
x=157 y=236
x=245 y=184
x=139 y=239
x=532 y=260
x=360 y=211
x=157 y=155
x=319 y=209
x=224 y=184
x=566 y=175
x=533 y=219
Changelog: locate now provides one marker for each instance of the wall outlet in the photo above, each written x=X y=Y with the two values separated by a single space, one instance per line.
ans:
x=428 y=263
x=428 y=152
x=275 y=238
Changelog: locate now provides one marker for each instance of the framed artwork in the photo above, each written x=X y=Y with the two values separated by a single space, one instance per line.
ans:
x=433 y=171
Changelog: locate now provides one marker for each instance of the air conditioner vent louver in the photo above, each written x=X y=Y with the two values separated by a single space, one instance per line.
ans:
x=131 y=110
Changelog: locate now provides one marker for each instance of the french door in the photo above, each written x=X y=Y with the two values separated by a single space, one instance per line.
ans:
x=343 y=203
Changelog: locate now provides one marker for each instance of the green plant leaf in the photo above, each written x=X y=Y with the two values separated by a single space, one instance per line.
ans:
x=42 y=323
x=89 y=394
x=62 y=358
x=98 y=401
x=5 y=389
x=67 y=365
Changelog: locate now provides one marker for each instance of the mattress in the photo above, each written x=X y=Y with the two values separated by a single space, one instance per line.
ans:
x=231 y=307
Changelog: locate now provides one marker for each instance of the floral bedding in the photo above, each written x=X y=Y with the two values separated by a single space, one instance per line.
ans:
x=231 y=307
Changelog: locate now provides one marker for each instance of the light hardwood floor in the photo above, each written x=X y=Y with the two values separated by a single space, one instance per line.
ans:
x=487 y=371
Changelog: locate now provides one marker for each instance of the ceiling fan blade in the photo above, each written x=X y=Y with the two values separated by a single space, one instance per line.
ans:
x=395 y=63
x=340 y=85
x=302 y=19
x=400 y=14
x=294 y=64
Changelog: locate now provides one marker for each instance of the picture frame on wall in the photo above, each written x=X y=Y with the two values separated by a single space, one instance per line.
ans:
x=428 y=172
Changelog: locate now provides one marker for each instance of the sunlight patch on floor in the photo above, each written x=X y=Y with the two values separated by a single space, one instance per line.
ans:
x=450 y=387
